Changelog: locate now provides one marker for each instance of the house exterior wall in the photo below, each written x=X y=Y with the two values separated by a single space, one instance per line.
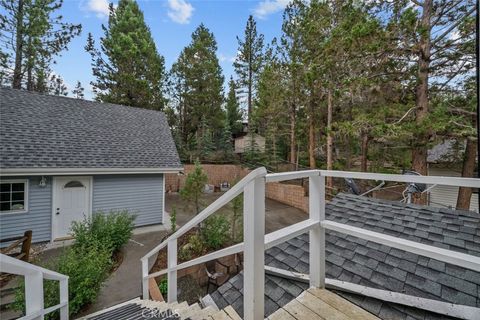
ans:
x=243 y=143
x=446 y=196
x=38 y=217
x=142 y=195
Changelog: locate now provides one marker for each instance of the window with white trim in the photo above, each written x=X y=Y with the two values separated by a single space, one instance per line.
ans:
x=13 y=196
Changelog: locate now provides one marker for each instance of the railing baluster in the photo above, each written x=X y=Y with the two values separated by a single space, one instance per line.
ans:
x=64 y=299
x=172 y=274
x=145 y=271
x=34 y=293
x=254 y=258
x=317 y=234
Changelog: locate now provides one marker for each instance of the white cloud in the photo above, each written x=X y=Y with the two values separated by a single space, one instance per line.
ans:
x=180 y=11
x=98 y=7
x=268 y=7
x=225 y=58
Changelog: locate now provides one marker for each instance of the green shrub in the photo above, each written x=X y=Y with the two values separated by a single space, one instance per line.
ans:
x=86 y=269
x=111 y=230
x=215 y=231
x=87 y=262
x=193 y=246
x=163 y=286
x=173 y=219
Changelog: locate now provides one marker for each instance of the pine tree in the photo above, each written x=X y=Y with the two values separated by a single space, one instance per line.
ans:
x=33 y=34
x=78 y=91
x=196 y=85
x=249 y=61
x=128 y=69
x=56 y=86
x=194 y=185
x=232 y=108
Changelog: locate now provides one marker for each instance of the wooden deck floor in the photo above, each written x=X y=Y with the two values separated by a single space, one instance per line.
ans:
x=321 y=304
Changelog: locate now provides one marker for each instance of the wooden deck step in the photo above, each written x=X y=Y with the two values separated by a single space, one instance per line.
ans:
x=323 y=305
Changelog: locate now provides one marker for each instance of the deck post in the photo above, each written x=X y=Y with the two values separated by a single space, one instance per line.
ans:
x=34 y=293
x=172 y=273
x=254 y=249
x=64 y=299
x=317 y=234
x=145 y=279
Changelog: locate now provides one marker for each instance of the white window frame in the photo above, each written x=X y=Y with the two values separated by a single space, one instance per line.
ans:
x=25 y=207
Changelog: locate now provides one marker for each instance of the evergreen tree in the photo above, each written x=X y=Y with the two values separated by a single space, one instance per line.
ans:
x=196 y=86
x=33 y=34
x=128 y=69
x=56 y=86
x=249 y=61
x=194 y=185
x=232 y=108
x=78 y=91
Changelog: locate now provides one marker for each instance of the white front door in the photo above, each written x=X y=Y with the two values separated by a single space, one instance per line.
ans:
x=71 y=202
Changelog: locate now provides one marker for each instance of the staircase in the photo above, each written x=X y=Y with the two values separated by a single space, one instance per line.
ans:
x=149 y=309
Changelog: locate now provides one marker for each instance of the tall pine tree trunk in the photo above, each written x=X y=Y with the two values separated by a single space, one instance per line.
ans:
x=329 y=137
x=250 y=86
x=419 y=151
x=311 y=136
x=17 y=70
x=311 y=144
x=465 y=194
x=364 y=158
x=293 y=146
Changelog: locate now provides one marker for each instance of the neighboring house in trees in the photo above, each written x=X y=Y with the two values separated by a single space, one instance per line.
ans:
x=244 y=142
x=445 y=159
x=64 y=159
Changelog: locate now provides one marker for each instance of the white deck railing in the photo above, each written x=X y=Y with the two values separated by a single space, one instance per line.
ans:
x=34 y=295
x=256 y=242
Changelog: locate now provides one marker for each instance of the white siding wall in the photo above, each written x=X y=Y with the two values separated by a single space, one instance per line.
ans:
x=442 y=196
x=141 y=195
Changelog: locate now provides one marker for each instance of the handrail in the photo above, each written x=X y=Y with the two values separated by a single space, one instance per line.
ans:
x=440 y=180
x=228 y=196
x=34 y=295
x=271 y=239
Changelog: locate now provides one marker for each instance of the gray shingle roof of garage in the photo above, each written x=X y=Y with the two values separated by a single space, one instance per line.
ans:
x=378 y=266
x=40 y=131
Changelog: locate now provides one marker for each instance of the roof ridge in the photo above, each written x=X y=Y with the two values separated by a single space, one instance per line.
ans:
x=81 y=101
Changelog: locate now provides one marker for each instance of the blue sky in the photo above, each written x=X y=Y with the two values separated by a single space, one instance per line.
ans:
x=171 y=23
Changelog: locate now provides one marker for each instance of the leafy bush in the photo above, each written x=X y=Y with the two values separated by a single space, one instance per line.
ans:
x=215 y=231
x=86 y=269
x=173 y=219
x=163 y=286
x=111 y=230
x=193 y=246
x=87 y=262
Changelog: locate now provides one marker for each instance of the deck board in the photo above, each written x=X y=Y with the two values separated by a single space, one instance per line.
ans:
x=323 y=305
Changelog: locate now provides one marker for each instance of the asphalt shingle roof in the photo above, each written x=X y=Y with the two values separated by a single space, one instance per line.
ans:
x=374 y=265
x=42 y=131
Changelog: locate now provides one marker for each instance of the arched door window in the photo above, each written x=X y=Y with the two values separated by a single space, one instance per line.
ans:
x=74 y=184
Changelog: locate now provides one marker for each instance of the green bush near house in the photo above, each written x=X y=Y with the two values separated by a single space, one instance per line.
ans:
x=111 y=230
x=87 y=262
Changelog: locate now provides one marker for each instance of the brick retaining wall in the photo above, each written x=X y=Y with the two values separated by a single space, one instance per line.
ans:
x=293 y=195
x=217 y=173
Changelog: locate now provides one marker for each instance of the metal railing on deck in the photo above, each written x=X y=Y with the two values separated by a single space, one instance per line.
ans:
x=256 y=242
x=34 y=295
